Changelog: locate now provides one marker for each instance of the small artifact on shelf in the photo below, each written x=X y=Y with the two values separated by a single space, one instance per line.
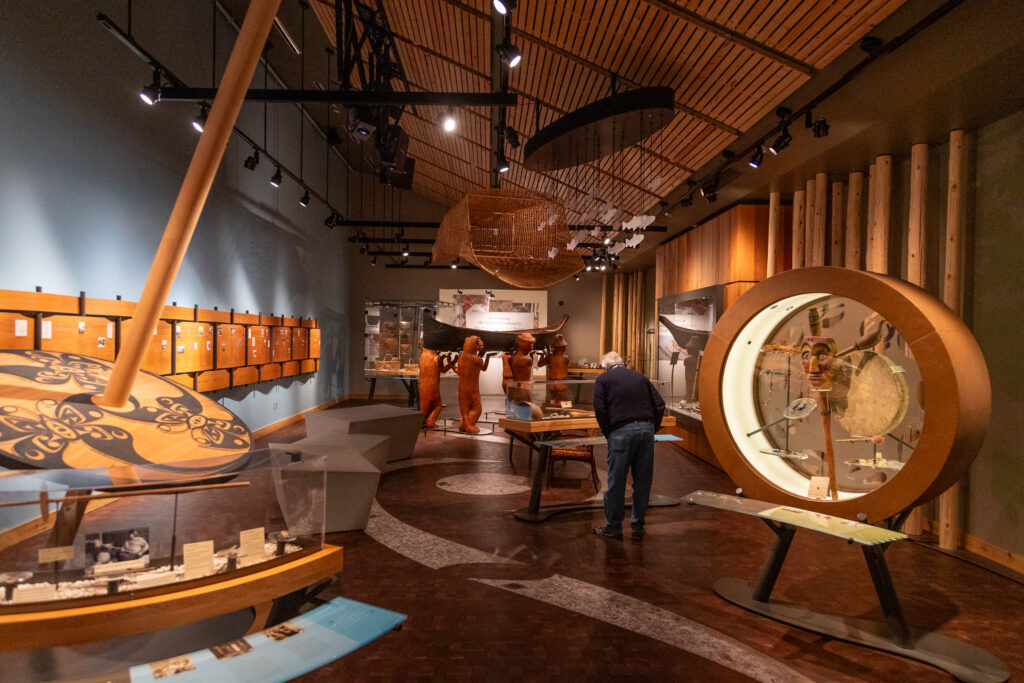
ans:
x=282 y=539
x=783 y=453
x=10 y=580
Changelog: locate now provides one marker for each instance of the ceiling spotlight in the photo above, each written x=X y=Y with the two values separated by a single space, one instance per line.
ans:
x=503 y=6
x=253 y=160
x=458 y=291
x=820 y=128
x=604 y=267
x=151 y=93
x=757 y=157
x=687 y=200
x=373 y=262
x=590 y=267
x=502 y=163
x=200 y=120
x=577 y=276
x=511 y=137
x=275 y=179
x=455 y=264
x=509 y=54
x=304 y=200
x=781 y=142
x=362 y=250
x=490 y=294
x=331 y=221
x=607 y=240
x=447 y=120
x=405 y=250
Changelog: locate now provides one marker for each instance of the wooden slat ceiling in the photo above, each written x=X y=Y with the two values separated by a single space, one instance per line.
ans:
x=729 y=62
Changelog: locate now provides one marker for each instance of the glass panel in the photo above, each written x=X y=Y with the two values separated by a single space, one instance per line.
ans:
x=685 y=322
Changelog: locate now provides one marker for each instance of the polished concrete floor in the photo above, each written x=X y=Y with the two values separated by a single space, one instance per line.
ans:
x=493 y=598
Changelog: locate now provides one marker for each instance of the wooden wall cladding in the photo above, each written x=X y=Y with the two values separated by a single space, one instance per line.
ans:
x=300 y=343
x=314 y=342
x=282 y=344
x=17 y=331
x=230 y=343
x=259 y=345
x=78 y=334
x=730 y=248
x=158 y=352
x=204 y=349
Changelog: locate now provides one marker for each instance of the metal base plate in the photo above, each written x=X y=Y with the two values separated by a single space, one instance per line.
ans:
x=965 y=662
x=545 y=512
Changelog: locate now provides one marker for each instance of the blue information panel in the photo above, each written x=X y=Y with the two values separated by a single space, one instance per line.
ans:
x=281 y=652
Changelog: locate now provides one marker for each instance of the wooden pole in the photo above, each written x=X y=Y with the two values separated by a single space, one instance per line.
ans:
x=798 y=229
x=820 y=216
x=869 y=219
x=916 y=232
x=604 y=314
x=774 y=216
x=809 y=223
x=854 y=205
x=879 y=234
x=835 y=257
x=951 y=501
x=192 y=196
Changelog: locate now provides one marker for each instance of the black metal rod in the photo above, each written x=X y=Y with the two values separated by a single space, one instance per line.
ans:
x=887 y=596
x=773 y=562
x=351 y=97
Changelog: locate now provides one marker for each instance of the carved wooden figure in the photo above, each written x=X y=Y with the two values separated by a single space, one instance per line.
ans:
x=469 y=367
x=431 y=367
x=558 y=368
x=521 y=364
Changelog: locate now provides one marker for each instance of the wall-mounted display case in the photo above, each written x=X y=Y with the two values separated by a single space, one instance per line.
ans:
x=111 y=532
x=393 y=336
x=685 y=322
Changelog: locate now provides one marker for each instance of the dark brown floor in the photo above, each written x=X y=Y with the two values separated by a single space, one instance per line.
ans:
x=462 y=630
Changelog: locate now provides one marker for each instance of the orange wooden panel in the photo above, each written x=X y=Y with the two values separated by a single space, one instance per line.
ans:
x=214 y=316
x=111 y=307
x=43 y=302
x=308 y=365
x=79 y=334
x=193 y=347
x=290 y=368
x=230 y=341
x=245 y=375
x=270 y=320
x=184 y=380
x=300 y=343
x=158 y=350
x=282 y=344
x=247 y=318
x=178 y=313
x=291 y=322
x=314 y=342
x=16 y=331
x=306 y=322
x=270 y=371
x=213 y=380
x=258 y=345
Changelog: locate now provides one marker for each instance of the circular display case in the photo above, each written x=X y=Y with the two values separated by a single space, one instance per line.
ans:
x=844 y=392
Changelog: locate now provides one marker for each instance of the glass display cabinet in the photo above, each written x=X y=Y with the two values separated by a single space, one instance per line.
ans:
x=685 y=322
x=116 y=531
x=393 y=336
x=541 y=399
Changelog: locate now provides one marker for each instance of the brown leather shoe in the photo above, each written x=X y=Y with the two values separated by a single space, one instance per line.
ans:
x=605 y=530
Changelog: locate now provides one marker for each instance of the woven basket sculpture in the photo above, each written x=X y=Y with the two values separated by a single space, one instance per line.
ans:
x=510 y=234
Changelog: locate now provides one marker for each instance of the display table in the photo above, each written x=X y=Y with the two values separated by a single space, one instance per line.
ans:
x=541 y=436
x=411 y=382
x=401 y=424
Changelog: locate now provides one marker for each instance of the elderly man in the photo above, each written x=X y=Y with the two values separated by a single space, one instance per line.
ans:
x=629 y=411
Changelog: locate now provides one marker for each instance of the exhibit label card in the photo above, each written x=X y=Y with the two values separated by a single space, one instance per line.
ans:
x=818 y=488
x=250 y=542
x=848 y=529
x=198 y=559
x=20 y=327
x=58 y=554
x=35 y=593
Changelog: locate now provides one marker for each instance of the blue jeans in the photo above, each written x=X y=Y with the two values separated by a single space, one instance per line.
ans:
x=630 y=446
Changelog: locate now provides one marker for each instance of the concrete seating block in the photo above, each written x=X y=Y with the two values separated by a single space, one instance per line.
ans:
x=401 y=424
x=373 y=447
x=351 y=486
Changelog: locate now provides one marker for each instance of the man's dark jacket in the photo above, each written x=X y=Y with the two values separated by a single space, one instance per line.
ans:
x=622 y=396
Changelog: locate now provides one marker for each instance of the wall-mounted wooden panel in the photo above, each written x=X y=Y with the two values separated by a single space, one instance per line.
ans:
x=158 y=350
x=247 y=318
x=110 y=307
x=300 y=343
x=306 y=322
x=282 y=344
x=207 y=316
x=290 y=368
x=291 y=322
x=308 y=365
x=16 y=331
x=42 y=302
x=193 y=347
x=178 y=313
x=230 y=342
x=258 y=345
x=213 y=380
x=270 y=320
x=270 y=371
x=245 y=375
x=314 y=342
x=78 y=334
x=184 y=380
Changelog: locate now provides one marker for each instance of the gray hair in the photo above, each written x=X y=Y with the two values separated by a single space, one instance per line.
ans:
x=610 y=360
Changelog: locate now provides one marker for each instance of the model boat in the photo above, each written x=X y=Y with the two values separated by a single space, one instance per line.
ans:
x=441 y=336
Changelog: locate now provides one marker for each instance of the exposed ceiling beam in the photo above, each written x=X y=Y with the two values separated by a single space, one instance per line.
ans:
x=732 y=36
x=537 y=40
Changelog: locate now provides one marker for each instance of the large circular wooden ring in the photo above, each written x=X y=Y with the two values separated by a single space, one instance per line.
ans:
x=957 y=393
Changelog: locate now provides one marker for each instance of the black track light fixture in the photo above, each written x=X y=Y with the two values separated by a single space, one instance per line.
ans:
x=151 y=93
x=253 y=160
x=820 y=128
x=781 y=142
x=330 y=220
x=511 y=137
x=455 y=264
x=426 y=262
x=304 y=199
x=362 y=250
x=502 y=163
x=276 y=179
x=373 y=262
x=709 y=191
x=405 y=250
x=808 y=118
x=199 y=122
x=757 y=157
x=504 y=6
x=510 y=54
x=687 y=199
x=447 y=120
x=576 y=277
x=490 y=294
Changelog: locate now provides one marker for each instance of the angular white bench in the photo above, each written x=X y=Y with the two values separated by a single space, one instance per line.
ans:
x=401 y=424
x=373 y=447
